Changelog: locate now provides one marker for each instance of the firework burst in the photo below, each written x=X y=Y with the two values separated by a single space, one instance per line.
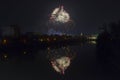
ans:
x=60 y=22
x=60 y=15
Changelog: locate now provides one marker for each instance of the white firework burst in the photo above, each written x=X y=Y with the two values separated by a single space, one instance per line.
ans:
x=60 y=15
x=60 y=21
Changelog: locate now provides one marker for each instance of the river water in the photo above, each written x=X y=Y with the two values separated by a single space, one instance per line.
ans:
x=85 y=64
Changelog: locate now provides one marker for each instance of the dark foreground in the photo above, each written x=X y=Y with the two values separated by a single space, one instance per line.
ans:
x=90 y=62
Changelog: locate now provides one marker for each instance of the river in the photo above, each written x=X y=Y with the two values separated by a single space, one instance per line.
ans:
x=85 y=64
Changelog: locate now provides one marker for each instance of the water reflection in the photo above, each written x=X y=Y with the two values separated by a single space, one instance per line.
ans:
x=4 y=56
x=68 y=62
x=60 y=58
x=92 y=42
x=61 y=64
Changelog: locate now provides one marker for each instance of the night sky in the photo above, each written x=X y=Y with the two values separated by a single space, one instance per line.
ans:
x=32 y=15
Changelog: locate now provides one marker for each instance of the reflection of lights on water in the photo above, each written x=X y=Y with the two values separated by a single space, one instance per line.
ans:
x=48 y=48
x=41 y=40
x=60 y=58
x=54 y=38
x=24 y=40
x=65 y=38
x=24 y=52
x=4 y=41
x=92 y=42
x=61 y=64
x=5 y=55
x=48 y=39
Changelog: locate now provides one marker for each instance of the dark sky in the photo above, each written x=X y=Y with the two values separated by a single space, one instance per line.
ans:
x=32 y=15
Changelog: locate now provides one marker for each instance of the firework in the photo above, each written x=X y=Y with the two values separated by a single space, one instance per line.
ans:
x=60 y=15
x=60 y=22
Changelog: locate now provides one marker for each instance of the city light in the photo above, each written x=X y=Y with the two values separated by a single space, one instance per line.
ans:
x=4 y=41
